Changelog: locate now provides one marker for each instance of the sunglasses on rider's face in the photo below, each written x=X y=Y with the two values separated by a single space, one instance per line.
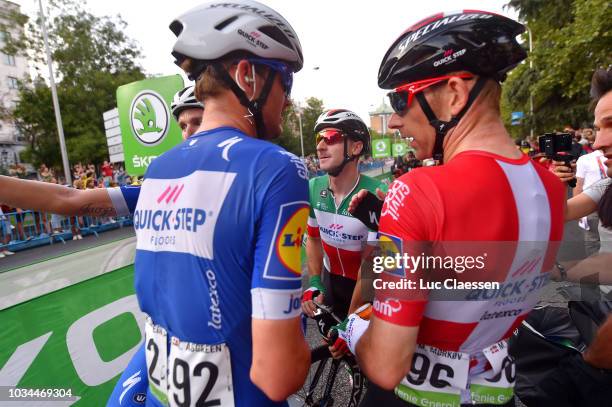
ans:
x=286 y=73
x=402 y=96
x=330 y=136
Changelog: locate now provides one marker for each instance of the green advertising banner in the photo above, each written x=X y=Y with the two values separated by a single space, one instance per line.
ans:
x=399 y=149
x=381 y=148
x=79 y=338
x=147 y=126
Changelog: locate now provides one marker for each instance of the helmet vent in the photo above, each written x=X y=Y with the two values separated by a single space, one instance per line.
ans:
x=225 y=23
x=276 y=34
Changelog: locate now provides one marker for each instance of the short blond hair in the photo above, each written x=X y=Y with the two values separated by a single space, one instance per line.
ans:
x=208 y=83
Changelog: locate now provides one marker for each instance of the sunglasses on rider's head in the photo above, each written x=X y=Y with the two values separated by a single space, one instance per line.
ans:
x=286 y=73
x=402 y=96
x=330 y=136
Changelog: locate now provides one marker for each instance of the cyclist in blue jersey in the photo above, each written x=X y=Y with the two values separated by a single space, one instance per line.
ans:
x=220 y=219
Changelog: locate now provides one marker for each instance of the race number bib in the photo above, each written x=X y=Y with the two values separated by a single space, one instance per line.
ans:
x=495 y=386
x=439 y=377
x=436 y=376
x=189 y=374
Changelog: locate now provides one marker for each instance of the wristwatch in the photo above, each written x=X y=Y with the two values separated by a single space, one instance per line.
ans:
x=562 y=271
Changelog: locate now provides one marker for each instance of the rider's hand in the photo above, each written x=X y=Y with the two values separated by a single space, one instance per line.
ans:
x=562 y=171
x=348 y=332
x=339 y=347
x=313 y=293
x=359 y=196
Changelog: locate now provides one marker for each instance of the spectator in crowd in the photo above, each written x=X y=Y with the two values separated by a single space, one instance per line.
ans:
x=590 y=169
x=5 y=233
x=107 y=173
x=588 y=138
x=411 y=161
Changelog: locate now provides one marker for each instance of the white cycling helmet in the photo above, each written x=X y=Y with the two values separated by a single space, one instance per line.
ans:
x=242 y=29
x=217 y=29
x=354 y=128
x=184 y=99
x=347 y=121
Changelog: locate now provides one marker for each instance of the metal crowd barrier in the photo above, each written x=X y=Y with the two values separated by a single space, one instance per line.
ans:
x=27 y=230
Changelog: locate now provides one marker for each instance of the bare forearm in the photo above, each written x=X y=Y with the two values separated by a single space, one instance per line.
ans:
x=579 y=206
x=53 y=198
x=384 y=353
x=279 y=370
x=597 y=265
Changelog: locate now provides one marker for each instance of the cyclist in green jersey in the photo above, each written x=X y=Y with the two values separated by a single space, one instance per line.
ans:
x=337 y=242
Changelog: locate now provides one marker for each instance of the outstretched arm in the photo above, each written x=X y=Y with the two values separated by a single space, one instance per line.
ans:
x=42 y=196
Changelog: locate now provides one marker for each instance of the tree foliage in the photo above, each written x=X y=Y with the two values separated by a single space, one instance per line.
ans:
x=290 y=137
x=571 y=38
x=92 y=57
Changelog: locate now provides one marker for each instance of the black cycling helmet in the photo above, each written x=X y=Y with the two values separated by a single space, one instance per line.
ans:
x=479 y=42
x=350 y=124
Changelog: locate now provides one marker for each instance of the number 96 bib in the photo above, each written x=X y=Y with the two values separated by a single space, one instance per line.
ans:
x=189 y=374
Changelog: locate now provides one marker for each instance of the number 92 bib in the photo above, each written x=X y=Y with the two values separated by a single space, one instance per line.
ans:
x=189 y=374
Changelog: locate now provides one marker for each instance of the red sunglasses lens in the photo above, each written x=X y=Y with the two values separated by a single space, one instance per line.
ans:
x=331 y=136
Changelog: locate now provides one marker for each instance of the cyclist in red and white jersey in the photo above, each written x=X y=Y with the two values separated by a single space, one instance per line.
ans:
x=445 y=72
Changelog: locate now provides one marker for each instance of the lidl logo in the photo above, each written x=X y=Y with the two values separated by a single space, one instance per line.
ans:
x=284 y=262
x=391 y=246
x=289 y=241
x=149 y=117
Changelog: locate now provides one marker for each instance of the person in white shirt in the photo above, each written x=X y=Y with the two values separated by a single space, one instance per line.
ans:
x=590 y=169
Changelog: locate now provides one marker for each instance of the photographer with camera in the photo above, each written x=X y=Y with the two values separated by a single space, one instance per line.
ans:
x=597 y=198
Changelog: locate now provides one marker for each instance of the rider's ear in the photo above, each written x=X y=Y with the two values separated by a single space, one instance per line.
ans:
x=243 y=76
x=458 y=94
x=357 y=147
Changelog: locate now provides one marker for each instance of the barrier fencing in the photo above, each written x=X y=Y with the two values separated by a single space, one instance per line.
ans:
x=20 y=230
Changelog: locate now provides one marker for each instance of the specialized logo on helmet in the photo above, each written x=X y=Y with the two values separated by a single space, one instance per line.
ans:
x=149 y=117
x=289 y=232
x=429 y=28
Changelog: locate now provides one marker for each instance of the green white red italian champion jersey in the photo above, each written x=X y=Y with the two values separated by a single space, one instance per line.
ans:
x=343 y=237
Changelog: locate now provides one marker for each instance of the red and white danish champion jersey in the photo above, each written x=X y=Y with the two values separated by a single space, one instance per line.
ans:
x=475 y=197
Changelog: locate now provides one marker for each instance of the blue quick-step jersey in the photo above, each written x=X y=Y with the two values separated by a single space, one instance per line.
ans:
x=219 y=223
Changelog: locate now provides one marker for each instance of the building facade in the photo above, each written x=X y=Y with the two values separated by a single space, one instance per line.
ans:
x=379 y=118
x=13 y=68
